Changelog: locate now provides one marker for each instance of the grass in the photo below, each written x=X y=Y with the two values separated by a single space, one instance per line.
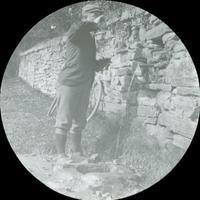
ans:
x=29 y=130
x=24 y=118
x=143 y=153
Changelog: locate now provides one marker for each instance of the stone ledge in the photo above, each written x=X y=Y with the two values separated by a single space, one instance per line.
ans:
x=157 y=31
x=184 y=127
x=147 y=111
x=187 y=91
x=159 y=86
x=168 y=36
x=148 y=120
x=181 y=141
x=181 y=72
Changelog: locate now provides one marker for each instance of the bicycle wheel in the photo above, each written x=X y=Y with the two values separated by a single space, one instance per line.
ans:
x=95 y=98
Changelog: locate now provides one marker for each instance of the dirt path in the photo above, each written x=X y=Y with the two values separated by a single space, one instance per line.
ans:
x=98 y=181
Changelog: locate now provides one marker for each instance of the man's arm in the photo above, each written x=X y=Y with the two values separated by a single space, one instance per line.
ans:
x=77 y=30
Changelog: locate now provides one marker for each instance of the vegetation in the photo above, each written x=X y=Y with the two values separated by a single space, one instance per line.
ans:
x=35 y=135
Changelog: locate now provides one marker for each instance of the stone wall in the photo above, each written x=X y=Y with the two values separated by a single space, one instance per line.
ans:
x=151 y=74
x=41 y=64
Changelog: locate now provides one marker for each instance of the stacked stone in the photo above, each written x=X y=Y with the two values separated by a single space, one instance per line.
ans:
x=119 y=43
x=169 y=103
x=40 y=65
x=26 y=70
x=166 y=93
x=151 y=74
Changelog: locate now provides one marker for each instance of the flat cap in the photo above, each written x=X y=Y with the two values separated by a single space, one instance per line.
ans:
x=91 y=8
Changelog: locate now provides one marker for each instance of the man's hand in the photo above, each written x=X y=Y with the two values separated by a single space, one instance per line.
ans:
x=103 y=63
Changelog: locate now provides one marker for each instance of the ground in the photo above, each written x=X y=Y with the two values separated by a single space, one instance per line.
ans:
x=31 y=135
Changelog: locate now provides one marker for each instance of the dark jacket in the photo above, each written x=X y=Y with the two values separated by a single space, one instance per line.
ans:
x=80 y=55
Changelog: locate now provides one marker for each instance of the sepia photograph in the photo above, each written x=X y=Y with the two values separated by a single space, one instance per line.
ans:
x=100 y=100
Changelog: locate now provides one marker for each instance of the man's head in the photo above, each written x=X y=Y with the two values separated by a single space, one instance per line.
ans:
x=92 y=13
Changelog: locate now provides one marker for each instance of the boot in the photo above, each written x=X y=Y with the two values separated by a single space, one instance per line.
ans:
x=76 y=143
x=77 y=154
x=60 y=140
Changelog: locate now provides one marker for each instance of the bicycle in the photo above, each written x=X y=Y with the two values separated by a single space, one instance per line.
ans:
x=95 y=98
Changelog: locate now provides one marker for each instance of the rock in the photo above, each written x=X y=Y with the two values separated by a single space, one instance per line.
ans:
x=182 y=73
x=147 y=120
x=115 y=81
x=157 y=22
x=123 y=58
x=99 y=35
x=184 y=127
x=116 y=60
x=159 y=86
x=120 y=88
x=142 y=33
x=170 y=44
x=134 y=65
x=114 y=93
x=125 y=81
x=136 y=45
x=121 y=49
x=180 y=54
x=146 y=98
x=168 y=36
x=162 y=72
x=164 y=100
x=195 y=115
x=151 y=45
x=53 y=185
x=184 y=106
x=152 y=18
x=141 y=80
x=112 y=20
x=138 y=54
x=179 y=46
x=91 y=179
x=160 y=55
x=161 y=64
x=112 y=99
x=123 y=95
x=187 y=91
x=129 y=97
x=114 y=107
x=138 y=11
x=143 y=65
x=67 y=175
x=147 y=111
x=157 y=31
x=106 y=75
x=125 y=15
x=162 y=134
x=138 y=71
x=181 y=141
x=94 y=158
x=85 y=168
x=121 y=71
x=147 y=52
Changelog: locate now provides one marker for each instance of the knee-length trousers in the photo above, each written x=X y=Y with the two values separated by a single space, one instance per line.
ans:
x=72 y=105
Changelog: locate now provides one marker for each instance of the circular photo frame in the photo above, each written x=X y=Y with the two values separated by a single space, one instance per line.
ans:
x=100 y=100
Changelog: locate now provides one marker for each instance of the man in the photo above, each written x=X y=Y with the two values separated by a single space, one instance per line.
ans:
x=75 y=81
